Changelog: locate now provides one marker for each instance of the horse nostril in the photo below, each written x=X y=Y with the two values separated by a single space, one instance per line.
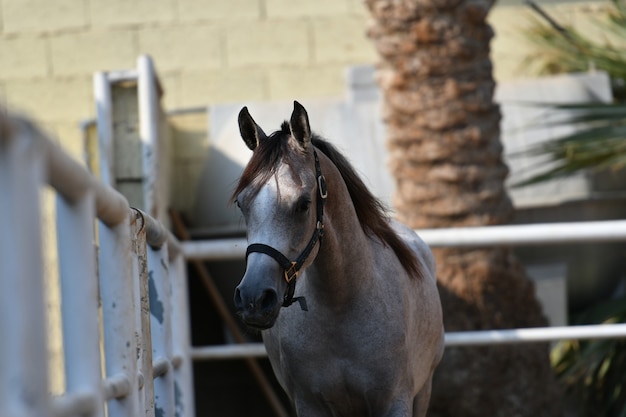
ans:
x=268 y=300
x=238 y=301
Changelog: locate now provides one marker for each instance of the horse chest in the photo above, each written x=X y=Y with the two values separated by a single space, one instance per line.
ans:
x=353 y=369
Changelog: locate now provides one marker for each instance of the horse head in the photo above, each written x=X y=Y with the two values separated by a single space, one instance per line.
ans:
x=281 y=196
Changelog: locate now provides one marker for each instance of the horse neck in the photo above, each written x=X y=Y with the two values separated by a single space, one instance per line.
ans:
x=343 y=263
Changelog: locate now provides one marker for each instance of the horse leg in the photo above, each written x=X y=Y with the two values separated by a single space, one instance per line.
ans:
x=422 y=399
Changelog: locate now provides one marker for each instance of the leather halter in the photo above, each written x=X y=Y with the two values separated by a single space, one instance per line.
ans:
x=291 y=269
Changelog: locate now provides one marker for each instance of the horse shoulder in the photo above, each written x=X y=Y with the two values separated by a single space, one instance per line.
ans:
x=421 y=249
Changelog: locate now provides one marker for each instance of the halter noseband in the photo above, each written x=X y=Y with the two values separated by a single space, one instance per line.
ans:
x=292 y=268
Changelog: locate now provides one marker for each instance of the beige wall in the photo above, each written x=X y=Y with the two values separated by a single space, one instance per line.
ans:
x=206 y=51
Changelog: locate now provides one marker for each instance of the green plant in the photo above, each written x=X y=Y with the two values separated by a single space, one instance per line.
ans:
x=562 y=49
x=599 y=143
x=593 y=371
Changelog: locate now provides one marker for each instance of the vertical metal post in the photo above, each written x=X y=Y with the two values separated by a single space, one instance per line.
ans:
x=148 y=130
x=23 y=355
x=104 y=118
x=181 y=339
x=118 y=311
x=161 y=328
x=79 y=292
x=142 y=315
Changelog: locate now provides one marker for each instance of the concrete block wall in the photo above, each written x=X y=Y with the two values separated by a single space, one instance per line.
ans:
x=206 y=51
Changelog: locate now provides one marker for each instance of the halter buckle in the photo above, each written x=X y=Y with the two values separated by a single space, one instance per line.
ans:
x=321 y=183
x=291 y=273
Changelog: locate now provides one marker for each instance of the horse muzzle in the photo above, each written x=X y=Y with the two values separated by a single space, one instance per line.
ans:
x=258 y=309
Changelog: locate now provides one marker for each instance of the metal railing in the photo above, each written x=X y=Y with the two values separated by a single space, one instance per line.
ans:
x=110 y=256
x=517 y=235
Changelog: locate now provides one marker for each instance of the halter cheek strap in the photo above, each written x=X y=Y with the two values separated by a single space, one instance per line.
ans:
x=291 y=269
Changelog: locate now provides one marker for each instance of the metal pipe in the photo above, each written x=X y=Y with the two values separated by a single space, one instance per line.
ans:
x=160 y=367
x=214 y=250
x=181 y=337
x=148 y=130
x=539 y=334
x=473 y=338
x=104 y=126
x=23 y=353
x=161 y=329
x=516 y=235
x=79 y=293
x=72 y=180
x=117 y=300
x=527 y=235
x=116 y=388
x=231 y=351
x=74 y=404
x=157 y=234
x=141 y=292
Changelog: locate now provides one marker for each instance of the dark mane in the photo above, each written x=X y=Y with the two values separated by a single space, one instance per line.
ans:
x=371 y=211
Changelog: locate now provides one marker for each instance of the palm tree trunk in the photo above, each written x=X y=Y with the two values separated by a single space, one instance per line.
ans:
x=445 y=154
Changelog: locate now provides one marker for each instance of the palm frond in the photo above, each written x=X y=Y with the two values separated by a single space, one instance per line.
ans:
x=598 y=144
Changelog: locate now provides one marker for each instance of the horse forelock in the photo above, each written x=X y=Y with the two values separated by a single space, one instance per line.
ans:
x=371 y=212
x=264 y=161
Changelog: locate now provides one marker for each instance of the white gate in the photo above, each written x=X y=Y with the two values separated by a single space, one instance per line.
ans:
x=123 y=290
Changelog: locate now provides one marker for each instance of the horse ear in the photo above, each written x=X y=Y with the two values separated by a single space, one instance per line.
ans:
x=299 y=124
x=251 y=133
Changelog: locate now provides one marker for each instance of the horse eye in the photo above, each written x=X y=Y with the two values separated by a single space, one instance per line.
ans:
x=303 y=205
x=237 y=203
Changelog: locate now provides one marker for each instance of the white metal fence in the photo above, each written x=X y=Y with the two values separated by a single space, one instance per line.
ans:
x=123 y=289
x=519 y=235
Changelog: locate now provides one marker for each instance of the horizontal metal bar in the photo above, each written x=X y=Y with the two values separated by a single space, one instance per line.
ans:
x=538 y=334
x=118 y=76
x=527 y=235
x=188 y=110
x=117 y=386
x=160 y=367
x=177 y=361
x=516 y=235
x=474 y=338
x=234 y=351
x=73 y=404
x=157 y=234
x=72 y=180
x=215 y=250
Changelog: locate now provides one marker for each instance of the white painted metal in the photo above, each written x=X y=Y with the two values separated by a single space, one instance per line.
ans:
x=23 y=364
x=539 y=334
x=213 y=250
x=517 y=235
x=181 y=337
x=79 y=403
x=104 y=116
x=161 y=329
x=530 y=234
x=232 y=351
x=142 y=315
x=484 y=337
x=79 y=292
x=28 y=160
x=148 y=130
x=120 y=333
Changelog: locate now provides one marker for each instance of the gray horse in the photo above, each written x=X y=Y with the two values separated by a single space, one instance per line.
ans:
x=362 y=332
